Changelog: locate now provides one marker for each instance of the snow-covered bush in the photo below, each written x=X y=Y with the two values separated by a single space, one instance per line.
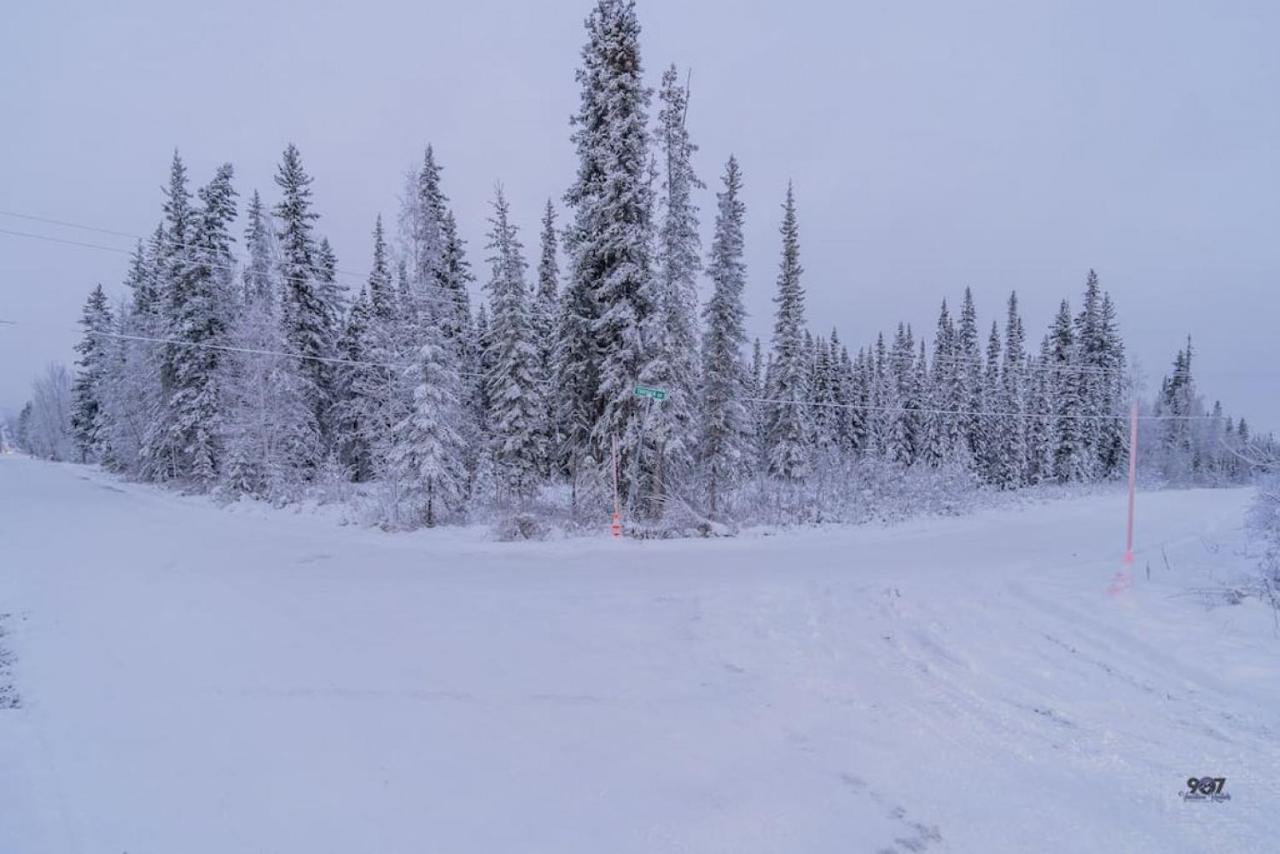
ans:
x=48 y=432
x=520 y=526
x=860 y=491
x=1264 y=519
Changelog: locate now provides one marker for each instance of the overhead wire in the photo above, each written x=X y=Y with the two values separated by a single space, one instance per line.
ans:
x=231 y=268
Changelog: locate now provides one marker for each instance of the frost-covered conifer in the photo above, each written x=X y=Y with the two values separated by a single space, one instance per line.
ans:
x=726 y=445
x=514 y=396
x=788 y=428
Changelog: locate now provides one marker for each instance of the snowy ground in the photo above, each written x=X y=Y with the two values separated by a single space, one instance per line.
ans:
x=196 y=680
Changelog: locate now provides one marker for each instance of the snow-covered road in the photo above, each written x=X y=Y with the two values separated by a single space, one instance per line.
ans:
x=200 y=680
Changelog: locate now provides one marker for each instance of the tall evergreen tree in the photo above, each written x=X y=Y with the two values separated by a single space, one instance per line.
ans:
x=1179 y=403
x=88 y=412
x=1041 y=423
x=269 y=423
x=306 y=317
x=609 y=243
x=258 y=239
x=199 y=317
x=943 y=435
x=726 y=429
x=900 y=374
x=424 y=470
x=132 y=395
x=990 y=441
x=842 y=395
x=372 y=395
x=758 y=408
x=514 y=394
x=1112 y=393
x=671 y=335
x=1070 y=456
x=967 y=385
x=545 y=317
x=1094 y=376
x=160 y=447
x=1011 y=459
x=788 y=429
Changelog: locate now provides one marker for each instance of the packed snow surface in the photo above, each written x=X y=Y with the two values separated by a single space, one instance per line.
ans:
x=195 y=679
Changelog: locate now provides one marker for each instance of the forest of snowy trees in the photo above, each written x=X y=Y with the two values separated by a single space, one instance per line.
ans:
x=242 y=360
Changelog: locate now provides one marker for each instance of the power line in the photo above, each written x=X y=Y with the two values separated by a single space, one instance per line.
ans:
x=50 y=221
x=336 y=360
x=66 y=242
x=231 y=268
x=168 y=242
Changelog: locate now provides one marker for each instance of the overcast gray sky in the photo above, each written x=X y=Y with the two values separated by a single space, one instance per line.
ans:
x=933 y=145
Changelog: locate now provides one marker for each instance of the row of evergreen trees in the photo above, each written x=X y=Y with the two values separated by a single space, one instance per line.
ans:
x=261 y=374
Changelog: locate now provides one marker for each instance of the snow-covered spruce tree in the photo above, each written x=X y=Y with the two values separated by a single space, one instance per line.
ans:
x=842 y=395
x=439 y=274
x=546 y=305
x=307 y=319
x=1011 y=458
x=947 y=442
x=438 y=294
x=1092 y=390
x=884 y=403
x=132 y=382
x=480 y=405
x=370 y=342
x=259 y=243
x=1179 y=458
x=822 y=394
x=1070 y=459
x=788 y=429
x=425 y=471
x=200 y=312
x=455 y=282
x=967 y=380
x=332 y=295
x=759 y=388
x=352 y=452
x=609 y=291
x=1103 y=383
x=671 y=428
x=939 y=430
x=1115 y=439
x=514 y=395
x=160 y=449
x=860 y=414
x=269 y=425
x=422 y=225
x=1041 y=435
x=899 y=373
x=992 y=440
x=726 y=435
x=919 y=404
x=88 y=413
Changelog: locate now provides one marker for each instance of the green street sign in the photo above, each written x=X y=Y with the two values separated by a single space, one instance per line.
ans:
x=655 y=393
